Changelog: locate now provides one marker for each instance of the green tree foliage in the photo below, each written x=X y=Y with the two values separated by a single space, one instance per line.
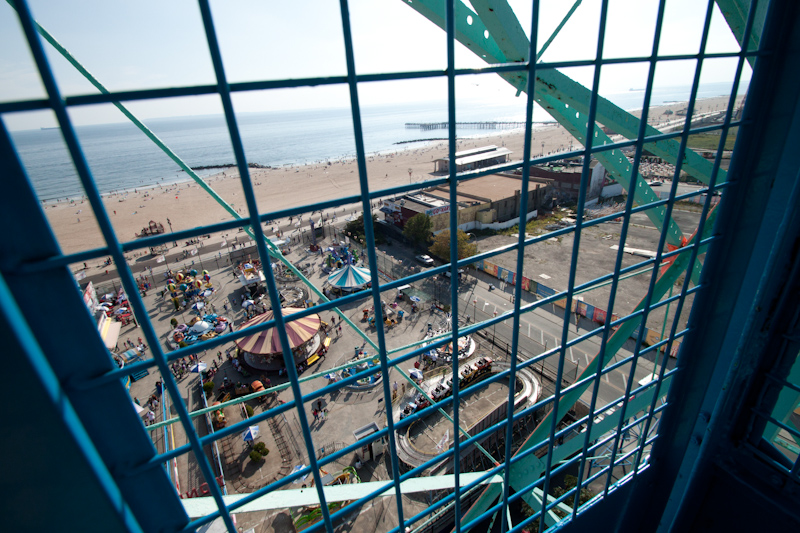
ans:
x=355 y=228
x=255 y=456
x=441 y=245
x=418 y=229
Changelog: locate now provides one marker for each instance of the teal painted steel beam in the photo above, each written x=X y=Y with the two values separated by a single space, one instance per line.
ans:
x=503 y=44
x=614 y=161
x=473 y=36
x=524 y=471
x=567 y=101
x=284 y=499
x=735 y=13
x=551 y=518
x=558 y=95
x=560 y=86
x=504 y=28
x=561 y=24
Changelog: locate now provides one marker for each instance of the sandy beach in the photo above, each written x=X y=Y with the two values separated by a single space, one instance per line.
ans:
x=187 y=205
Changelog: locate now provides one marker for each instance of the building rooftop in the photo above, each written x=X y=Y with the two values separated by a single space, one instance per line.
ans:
x=495 y=187
x=427 y=200
x=460 y=198
x=478 y=154
x=479 y=150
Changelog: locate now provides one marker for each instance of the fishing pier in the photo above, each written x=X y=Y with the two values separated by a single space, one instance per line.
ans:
x=427 y=126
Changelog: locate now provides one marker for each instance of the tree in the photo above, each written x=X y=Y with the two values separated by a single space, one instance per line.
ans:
x=418 y=229
x=255 y=456
x=441 y=245
x=356 y=227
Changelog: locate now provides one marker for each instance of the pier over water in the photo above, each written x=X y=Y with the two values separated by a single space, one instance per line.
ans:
x=427 y=126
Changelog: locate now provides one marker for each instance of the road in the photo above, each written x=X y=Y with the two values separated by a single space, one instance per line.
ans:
x=540 y=330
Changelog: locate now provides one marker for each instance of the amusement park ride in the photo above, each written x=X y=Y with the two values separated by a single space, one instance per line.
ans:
x=491 y=30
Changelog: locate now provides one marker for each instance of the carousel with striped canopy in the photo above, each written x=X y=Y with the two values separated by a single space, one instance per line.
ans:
x=262 y=350
x=349 y=278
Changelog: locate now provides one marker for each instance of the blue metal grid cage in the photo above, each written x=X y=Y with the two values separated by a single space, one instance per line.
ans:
x=131 y=473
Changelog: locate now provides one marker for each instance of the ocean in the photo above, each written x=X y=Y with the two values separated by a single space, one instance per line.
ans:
x=122 y=158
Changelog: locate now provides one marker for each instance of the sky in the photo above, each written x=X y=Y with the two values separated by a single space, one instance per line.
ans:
x=149 y=44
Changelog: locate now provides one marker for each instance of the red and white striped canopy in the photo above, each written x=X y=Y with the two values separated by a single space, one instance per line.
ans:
x=268 y=342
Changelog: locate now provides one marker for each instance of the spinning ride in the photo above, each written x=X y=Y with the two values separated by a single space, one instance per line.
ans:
x=261 y=348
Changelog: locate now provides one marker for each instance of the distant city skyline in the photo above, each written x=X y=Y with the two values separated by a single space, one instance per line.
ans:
x=128 y=47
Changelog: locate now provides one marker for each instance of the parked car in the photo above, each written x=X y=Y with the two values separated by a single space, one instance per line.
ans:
x=425 y=260
x=460 y=271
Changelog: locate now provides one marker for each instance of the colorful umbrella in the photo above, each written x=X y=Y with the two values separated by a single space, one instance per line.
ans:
x=251 y=434
x=267 y=342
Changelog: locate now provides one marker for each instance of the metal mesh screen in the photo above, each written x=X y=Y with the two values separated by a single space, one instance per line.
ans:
x=601 y=388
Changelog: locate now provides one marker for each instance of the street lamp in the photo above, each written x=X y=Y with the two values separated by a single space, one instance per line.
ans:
x=474 y=308
x=542 y=148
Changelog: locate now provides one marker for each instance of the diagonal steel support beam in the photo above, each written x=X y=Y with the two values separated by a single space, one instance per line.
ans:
x=561 y=24
x=495 y=35
x=504 y=27
x=528 y=469
x=559 y=85
x=735 y=13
